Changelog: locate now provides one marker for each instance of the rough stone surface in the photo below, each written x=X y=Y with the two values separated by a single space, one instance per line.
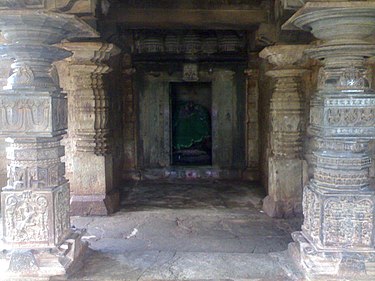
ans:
x=186 y=231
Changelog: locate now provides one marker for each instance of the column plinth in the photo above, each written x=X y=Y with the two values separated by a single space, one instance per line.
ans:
x=287 y=125
x=337 y=237
x=37 y=236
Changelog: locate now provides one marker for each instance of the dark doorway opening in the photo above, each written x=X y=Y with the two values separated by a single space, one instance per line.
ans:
x=191 y=123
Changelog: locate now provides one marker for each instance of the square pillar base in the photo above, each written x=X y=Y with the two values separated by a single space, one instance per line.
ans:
x=43 y=263
x=285 y=178
x=95 y=205
x=319 y=265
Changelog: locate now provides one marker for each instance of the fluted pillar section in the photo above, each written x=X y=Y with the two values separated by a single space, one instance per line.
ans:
x=90 y=159
x=337 y=237
x=287 y=127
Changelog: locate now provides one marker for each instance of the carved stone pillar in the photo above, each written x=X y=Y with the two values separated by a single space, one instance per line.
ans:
x=286 y=166
x=4 y=74
x=90 y=161
x=252 y=125
x=337 y=237
x=37 y=238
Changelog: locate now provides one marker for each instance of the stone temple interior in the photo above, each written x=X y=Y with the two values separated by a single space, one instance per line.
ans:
x=187 y=140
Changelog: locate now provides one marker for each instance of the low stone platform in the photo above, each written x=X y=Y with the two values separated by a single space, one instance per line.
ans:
x=209 y=230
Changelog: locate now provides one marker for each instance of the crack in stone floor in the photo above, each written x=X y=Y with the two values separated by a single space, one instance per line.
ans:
x=186 y=231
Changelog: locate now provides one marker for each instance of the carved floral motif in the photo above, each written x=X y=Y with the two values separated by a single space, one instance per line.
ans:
x=348 y=222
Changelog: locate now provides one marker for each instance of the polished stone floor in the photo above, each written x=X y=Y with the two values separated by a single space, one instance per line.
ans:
x=192 y=230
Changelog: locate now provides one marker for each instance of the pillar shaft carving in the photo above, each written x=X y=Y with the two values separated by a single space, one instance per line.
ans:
x=287 y=127
x=33 y=117
x=338 y=203
x=90 y=163
x=89 y=99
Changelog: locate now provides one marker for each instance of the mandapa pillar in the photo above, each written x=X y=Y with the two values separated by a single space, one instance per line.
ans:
x=37 y=238
x=287 y=125
x=337 y=237
x=90 y=170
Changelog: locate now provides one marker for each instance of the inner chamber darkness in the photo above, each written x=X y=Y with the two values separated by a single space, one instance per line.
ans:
x=191 y=123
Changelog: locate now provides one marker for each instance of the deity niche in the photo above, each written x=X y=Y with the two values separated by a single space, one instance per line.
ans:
x=191 y=130
x=26 y=218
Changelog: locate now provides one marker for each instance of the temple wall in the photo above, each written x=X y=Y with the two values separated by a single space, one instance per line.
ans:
x=265 y=92
x=228 y=121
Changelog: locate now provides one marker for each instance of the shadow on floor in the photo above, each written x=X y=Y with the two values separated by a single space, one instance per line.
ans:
x=186 y=231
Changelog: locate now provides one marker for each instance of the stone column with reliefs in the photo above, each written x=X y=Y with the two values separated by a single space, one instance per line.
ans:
x=287 y=125
x=90 y=160
x=37 y=237
x=337 y=237
x=4 y=74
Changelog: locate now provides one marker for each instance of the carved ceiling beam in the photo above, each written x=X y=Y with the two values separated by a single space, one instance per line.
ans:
x=186 y=18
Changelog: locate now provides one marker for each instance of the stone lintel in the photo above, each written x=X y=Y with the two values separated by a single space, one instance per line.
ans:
x=186 y=18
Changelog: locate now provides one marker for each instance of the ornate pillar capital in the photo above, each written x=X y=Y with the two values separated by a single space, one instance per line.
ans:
x=89 y=100
x=336 y=241
x=94 y=54
x=285 y=56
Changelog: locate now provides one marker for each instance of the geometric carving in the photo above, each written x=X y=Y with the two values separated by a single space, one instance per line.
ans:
x=41 y=115
x=338 y=222
x=89 y=127
x=35 y=164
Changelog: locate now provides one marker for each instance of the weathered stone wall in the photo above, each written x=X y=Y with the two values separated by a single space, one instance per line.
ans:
x=113 y=83
x=228 y=118
x=265 y=92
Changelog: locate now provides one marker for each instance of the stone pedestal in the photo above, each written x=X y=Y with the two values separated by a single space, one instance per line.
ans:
x=90 y=160
x=286 y=167
x=337 y=237
x=37 y=238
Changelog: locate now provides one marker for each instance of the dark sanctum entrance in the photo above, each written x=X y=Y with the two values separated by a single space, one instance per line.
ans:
x=191 y=123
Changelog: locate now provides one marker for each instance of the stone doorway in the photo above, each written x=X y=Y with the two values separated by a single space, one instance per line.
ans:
x=191 y=123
